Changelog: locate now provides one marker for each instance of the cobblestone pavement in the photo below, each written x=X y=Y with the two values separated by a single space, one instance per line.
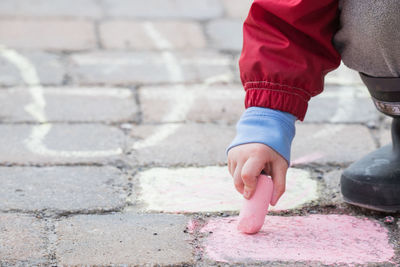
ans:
x=114 y=118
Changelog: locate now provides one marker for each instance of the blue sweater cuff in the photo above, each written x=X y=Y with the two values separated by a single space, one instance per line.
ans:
x=273 y=128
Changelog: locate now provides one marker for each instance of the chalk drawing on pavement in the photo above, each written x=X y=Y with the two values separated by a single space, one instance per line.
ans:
x=328 y=239
x=184 y=98
x=36 y=108
x=210 y=189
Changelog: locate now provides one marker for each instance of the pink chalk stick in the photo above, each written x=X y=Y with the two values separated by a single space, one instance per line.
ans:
x=252 y=214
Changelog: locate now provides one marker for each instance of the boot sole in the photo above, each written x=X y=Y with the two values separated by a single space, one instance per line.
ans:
x=386 y=209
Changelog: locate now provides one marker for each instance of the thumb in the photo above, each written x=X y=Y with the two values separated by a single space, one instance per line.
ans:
x=251 y=169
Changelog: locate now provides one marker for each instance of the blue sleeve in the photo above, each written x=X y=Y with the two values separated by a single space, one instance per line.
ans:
x=273 y=128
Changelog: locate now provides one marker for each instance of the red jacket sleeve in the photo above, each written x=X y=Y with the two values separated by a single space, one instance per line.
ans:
x=287 y=51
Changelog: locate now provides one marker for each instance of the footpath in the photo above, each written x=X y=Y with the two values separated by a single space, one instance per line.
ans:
x=114 y=119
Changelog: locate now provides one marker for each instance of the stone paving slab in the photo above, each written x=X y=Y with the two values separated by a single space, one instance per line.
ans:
x=226 y=34
x=71 y=104
x=183 y=146
x=330 y=193
x=123 y=239
x=121 y=68
x=327 y=143
x=123 y=34
x=23 y=34
x=343 y=76
x=157 y=9
x=52 y=8
x=62 y=189
x=22 y=239
x=215 y=103
x=64 y=143
x=313 y=240
x=211 y=189
x=385 y=132
x=49 y=68
x=343 y=104
x=237 y=8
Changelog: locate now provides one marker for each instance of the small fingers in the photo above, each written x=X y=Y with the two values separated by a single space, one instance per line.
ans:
x=279 y=179
x=251 y=169
x=237 y=179
x=231 y=167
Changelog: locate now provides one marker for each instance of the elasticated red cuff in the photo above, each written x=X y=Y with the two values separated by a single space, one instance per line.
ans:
x=278 y=100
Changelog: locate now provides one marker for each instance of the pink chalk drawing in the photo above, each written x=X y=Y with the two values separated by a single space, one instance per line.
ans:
x=328 y=239
x=307 y=158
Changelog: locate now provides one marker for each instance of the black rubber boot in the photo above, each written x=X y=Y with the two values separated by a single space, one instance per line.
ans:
x=373 y=182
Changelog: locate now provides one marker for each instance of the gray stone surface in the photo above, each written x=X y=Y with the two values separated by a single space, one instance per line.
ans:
x=62 y=189
x=71 y=104
x=123 y=34
x=52 y=8
x=327 y=143
x=122 y=68
x=49 y=68
x=22 y=240
x=123 y=239
x=215 y=103
x=185 y=146
x=75 y=34
x=130 y=86
x=385 y=132
x=226 y=34
x=330 y=193
x=68 y=143
x=342 y=104
x=237 y=8
x=184 y=9
x=343 y=76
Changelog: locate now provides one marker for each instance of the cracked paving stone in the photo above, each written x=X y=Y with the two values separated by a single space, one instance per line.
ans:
x=210 y=189
x=111 y=67
x=61 y=143
x=62 y=189
x=22 y=240
x=131 y=239
x=71 y=104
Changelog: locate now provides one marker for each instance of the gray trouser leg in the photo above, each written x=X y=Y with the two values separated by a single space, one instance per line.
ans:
x=369 y=37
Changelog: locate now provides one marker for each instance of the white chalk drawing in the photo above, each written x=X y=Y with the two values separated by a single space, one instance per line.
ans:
x=36 y=108
x=184 y=98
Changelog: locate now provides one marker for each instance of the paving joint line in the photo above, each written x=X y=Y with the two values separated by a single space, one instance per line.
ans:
x=58 y=214
x=51 y=241
x=136 y=96
x=57 y=122
x=55 y=164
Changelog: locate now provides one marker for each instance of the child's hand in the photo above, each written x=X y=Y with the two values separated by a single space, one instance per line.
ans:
x=245 y=163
